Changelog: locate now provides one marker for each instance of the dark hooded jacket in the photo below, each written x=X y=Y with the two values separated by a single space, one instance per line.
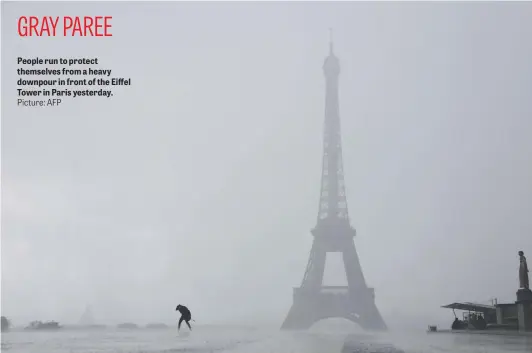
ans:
x=184 y=312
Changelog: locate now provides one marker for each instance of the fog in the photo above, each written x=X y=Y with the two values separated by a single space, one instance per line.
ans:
x=199 y=184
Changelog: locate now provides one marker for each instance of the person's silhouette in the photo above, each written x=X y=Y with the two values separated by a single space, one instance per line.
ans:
x=185 y=316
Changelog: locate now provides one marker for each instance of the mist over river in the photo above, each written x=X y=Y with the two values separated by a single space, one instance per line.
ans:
x=254 y=340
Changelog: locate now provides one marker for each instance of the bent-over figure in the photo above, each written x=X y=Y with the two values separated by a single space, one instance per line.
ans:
x=185 y=316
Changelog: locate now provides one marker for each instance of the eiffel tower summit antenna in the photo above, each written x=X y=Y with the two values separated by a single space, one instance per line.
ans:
x=313 y=301
x=331 y=51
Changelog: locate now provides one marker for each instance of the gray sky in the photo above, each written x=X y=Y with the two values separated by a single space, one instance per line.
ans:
x=200 y=182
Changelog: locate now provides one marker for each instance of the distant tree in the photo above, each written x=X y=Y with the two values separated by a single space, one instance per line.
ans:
x=5 y=324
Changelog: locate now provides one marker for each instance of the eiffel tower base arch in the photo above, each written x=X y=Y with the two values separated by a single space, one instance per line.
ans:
x=333 y=302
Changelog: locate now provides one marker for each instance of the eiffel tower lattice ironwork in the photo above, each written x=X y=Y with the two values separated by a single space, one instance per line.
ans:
x=333 y=233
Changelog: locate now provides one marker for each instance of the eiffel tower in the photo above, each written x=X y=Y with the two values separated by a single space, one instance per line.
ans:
x=333 y=233
x=87 y=318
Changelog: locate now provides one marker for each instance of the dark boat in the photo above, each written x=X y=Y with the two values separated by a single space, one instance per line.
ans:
x=497 y=319
x=39 y=325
